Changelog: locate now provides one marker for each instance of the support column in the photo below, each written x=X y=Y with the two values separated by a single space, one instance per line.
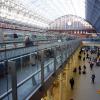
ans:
x=60 y=87
x=73 y=60
x=37 y=60
x=49 y=96
x=21 y=62
x=70 y=50
x=31 y=59
x=76 y=58
x=55 y=60
x=66 y=52
x=61 y=58
x=1 y=38
x=67 y=77
x=13 y=79
x=42 y=67
x=70 y=67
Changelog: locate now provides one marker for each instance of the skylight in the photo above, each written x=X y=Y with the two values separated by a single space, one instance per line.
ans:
x=52 y=9
x=40 y=12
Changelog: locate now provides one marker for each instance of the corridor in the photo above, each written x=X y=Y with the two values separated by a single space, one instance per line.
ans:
x=84 y=89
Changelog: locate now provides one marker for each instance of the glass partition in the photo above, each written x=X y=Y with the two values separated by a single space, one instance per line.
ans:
x=5 y=81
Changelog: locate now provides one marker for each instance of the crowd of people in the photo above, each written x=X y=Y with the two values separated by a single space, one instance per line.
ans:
x=91 y=56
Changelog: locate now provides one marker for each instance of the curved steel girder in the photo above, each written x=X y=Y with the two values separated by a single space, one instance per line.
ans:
x=76 y=17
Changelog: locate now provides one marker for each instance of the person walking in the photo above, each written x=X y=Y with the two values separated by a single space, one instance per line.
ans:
x=87 y=56
x=15 y=36
x=84 y=69
x=79 y=68
x=91 y=65
x=93 y=78
x=75 y=70
x=72 y=83
x=83 y=58
x=28 y=41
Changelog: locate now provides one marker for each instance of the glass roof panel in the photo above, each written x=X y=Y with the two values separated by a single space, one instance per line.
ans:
x=40 y=12
x=53 y=9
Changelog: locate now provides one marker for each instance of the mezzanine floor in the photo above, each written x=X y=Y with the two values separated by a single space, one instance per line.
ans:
x=84 y=89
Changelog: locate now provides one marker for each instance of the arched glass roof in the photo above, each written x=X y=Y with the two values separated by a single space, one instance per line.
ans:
x=70 y=22
x=40 y=12
x=52 y=9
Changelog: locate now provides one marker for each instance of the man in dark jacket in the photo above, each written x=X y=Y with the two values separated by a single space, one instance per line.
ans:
x=72 y=83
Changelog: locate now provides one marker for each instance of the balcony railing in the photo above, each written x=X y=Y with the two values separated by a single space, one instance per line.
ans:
x=26 y=74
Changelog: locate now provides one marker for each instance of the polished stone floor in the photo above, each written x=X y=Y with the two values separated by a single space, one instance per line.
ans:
x=84 y=89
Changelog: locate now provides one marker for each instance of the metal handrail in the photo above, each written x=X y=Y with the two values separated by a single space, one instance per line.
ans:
x=49 y=63
x=19 y=84
x=22 y=82
x=26 y=79
x=35 y=43
x=11 y=42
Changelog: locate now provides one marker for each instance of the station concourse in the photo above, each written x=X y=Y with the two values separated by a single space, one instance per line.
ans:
x=84 y=89
x=49 y=49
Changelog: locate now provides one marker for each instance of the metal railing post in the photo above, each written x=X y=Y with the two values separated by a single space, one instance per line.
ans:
x=42 y=67
x=61 y=50
x=55 y=60
x=13 y=79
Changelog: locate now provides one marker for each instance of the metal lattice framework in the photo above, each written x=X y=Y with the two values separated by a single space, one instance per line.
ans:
x=70 y=22
x=37 y=12
x=14 y=12
x=40 y=13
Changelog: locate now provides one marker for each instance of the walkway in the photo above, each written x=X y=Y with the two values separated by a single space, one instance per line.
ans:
x=83 y=90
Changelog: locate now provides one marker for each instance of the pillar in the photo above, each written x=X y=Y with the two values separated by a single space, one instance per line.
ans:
x=60 y=87
x=42 y=67
x=32 y=59
x=1 y=38
x=13 y=79
x=61 y=52
x=49 y=96
x=55 y=60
